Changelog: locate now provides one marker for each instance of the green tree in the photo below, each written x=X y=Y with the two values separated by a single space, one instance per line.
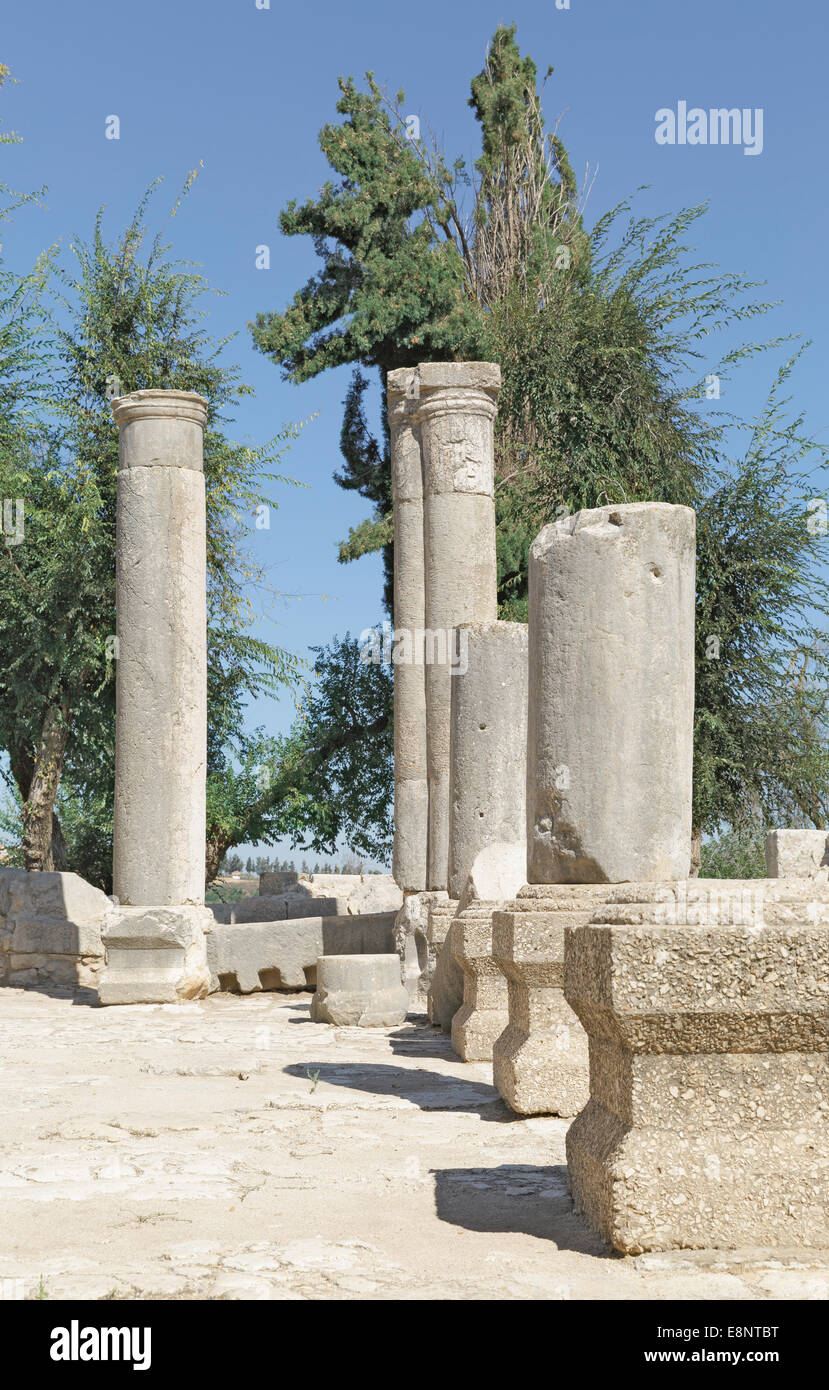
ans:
x=604 y=340
x=128 y=318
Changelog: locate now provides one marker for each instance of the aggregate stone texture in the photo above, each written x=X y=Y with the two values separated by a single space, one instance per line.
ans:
x=231 y=1149
x=708 y=1118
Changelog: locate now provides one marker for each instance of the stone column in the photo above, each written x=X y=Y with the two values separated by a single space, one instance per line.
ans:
x=457 y=409
x=611 y=696
x=155 y=953
x=488 y=763
x=705 y=1005
x=609 y=761
x=411 y=795
x=487 y=817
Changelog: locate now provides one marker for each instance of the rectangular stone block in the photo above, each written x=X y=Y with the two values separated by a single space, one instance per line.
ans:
x=797 y=854
x=283 y=954
x=708 y=1118
x=156 y=955
x=56 y=937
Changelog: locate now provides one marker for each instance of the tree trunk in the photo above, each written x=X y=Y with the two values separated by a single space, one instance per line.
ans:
x=696 y=851
x=39 y=805
x=215 y=852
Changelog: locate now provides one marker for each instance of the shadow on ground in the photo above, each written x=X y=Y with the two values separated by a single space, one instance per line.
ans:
x=430 y=1090
x=83 y=997
x=519 y=1198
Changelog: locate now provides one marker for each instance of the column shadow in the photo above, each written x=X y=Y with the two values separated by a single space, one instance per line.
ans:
x=520 y=1198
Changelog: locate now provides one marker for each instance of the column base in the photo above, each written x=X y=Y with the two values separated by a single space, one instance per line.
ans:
x=446 y=989
x=483 y=1013
x=539 y=1062
x=156 y=955
x=543 y=1070
x=705 y=1004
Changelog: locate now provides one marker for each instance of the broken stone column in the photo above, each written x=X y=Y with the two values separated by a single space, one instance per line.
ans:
x=609 y=759
x=359 y=992
x=539 y=1060
x=488 y=764
x=456 y=413
x=411 y=796
x=611 y=696
x=156 y=950
x=705 y=1005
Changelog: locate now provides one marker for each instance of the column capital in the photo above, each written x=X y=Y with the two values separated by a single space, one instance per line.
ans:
x=466 y=388
x=160 y=405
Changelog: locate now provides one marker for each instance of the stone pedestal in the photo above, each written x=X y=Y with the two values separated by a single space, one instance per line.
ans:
x=446 y=989
x=161 y=698
x=488 y=765
x=483 y=1013
x=709 y=1032
x=456 y=412
x=156 y=955
x=411 y=796
x=610 y=745
x=539 y=1060
x=359 y=992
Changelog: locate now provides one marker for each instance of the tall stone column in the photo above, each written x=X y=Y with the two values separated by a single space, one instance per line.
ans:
x=411 y=794
x=156 y=952
x=457 y=408
x=609 y=762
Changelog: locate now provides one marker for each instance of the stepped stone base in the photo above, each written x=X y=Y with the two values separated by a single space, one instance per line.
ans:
x=539 y=1060
x=708 y=1118
x=446 y=989
x=483 y=1013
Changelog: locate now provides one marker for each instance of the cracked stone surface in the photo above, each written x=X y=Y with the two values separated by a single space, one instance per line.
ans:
x=232 y=1149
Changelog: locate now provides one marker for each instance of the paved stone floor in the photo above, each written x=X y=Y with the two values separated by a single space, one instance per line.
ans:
x=234 y=1149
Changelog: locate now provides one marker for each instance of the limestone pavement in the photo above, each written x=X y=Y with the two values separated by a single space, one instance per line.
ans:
x=230 y=1148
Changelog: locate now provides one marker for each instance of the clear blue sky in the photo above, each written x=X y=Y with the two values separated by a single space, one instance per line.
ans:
x=246 y=91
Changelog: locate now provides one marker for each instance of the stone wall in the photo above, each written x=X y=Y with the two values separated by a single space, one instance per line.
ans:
x=50 y=929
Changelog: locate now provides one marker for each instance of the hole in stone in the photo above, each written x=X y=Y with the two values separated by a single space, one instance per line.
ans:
x=656 y=572
x=270 y=978
x=615 y=519
x=310 y=973
x=482 y=726
x=229 y=984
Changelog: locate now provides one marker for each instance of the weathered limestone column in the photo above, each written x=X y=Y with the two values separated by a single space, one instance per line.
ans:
x=705 y=1004
x=156 y=952
x=487 y=818
x=411 y=795
x=488 y=763
x=611 y=696
x=609 y=761
x=457 y=409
